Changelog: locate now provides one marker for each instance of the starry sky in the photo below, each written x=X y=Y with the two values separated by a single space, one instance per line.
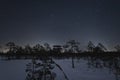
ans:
x=57 y=21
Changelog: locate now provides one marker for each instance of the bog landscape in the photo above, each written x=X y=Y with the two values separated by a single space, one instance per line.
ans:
x=44 y=62
x=59 y=39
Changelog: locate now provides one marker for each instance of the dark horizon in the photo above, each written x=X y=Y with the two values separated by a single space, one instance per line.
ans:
x=57 y=21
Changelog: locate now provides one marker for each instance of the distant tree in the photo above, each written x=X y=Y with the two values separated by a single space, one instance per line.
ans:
x=38 y=48
x=73 y=46
x=90 y=46
x=65 y=47
x=19 y=49
x=100 y=48
x=1 y=49
x=117 y=47
x=28 y=49
x=11 y=46
x=77 y=49
x=47 y=47
x=103 y=48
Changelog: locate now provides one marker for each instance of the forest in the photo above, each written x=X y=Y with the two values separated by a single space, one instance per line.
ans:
x=71 y=47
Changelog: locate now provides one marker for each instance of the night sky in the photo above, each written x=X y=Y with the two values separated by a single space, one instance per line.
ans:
x=57 y=21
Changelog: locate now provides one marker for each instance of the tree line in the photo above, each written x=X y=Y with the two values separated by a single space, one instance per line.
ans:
x=71 y=46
